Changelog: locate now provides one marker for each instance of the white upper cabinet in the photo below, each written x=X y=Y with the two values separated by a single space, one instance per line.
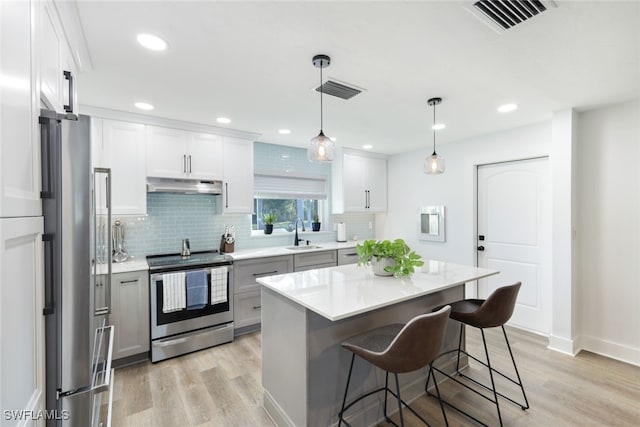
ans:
x=57 y=69
x=166 y=152
x=204 y=159
x=376 y=184
x=20 y=183
x=359 y=182
x=237 y=190
x=174 y=153
x=123 y=151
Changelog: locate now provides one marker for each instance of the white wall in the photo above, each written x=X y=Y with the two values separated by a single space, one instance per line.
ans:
x=597 y=288
x=608 y=230
x=410 y=188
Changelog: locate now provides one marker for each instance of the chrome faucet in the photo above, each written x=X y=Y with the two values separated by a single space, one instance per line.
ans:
x=296 y=240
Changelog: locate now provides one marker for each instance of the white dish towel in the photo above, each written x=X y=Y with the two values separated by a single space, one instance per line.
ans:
x=219 y=285
x=174 y=292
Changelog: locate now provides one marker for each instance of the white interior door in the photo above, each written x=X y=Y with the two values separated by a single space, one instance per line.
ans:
x=514 y=236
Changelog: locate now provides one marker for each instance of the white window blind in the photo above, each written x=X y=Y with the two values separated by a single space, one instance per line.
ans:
x=268 y=186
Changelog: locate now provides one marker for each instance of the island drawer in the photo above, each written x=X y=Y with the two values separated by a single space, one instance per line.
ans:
x=247 y=271
x=315 y=259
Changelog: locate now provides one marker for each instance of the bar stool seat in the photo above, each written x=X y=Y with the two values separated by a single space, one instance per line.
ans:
x=495 y=311
x=398 y=349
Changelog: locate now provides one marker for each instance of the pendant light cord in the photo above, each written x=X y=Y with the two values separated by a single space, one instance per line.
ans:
x=434 y=129
x=321 y=66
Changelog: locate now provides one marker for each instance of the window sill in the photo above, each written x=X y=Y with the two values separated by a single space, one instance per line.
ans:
x=282 y=233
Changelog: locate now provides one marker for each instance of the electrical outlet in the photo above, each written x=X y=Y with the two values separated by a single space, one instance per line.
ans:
x=370 y=225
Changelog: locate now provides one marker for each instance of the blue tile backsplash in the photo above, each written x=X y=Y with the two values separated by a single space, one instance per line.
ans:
x=173 y=217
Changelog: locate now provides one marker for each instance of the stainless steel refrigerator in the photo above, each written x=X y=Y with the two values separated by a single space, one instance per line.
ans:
x=77 y=218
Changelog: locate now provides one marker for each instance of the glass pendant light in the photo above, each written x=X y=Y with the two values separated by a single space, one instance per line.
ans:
x=434 y=164
x=321 y=148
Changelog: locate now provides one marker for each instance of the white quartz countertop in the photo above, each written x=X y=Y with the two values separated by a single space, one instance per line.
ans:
x=338 y=293
x=124 y=267
x=282 y=250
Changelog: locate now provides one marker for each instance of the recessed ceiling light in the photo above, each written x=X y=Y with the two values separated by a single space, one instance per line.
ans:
x=367 y=146
x=438 y=126
x=507 y=108
x=333 y=138
x=143 y=106
x=223 y=120
x=284 y=131
x=151 y=42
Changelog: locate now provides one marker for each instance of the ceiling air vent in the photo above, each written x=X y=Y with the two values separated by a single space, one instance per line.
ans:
x=502 y=15
x=341 y=90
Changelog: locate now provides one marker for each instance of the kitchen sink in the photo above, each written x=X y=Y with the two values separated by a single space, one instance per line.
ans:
x=303 y=247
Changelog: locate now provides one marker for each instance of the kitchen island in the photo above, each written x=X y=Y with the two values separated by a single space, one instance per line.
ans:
x=305 y=317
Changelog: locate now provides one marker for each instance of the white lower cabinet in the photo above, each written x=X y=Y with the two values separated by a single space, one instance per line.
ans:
x=247 y=309
x=313 y=260
x=22 y=380
x=130 y=313
x=246 y=299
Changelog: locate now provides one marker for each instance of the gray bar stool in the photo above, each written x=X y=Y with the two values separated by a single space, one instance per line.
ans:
x=495 y=311
x=398 y=349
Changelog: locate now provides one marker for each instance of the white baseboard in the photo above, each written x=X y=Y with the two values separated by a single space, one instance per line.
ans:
x=621 y=352
x=563 y=345
x=275 y=411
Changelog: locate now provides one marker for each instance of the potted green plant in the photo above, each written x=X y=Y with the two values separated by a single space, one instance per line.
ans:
x=388 y=258
x=315 y=225
x=268 y=219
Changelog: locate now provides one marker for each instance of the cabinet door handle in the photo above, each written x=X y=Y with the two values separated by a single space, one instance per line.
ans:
x=189 y=163
x=257 y=307
x=226 y=190
x=184 y=163
x=365 y=199
x=129 y=281
x=264 y=273
x=69 y=76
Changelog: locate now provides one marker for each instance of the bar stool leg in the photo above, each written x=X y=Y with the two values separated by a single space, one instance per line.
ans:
x=493 y=384
x=459 y=349
x=399 y=400
x=386 y=390
x=516 y=369
x=346 y=389
x=444 y=415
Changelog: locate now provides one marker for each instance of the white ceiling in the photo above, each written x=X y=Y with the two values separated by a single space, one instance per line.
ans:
x=251 y=62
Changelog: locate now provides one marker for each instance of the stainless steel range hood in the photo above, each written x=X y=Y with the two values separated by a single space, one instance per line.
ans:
x=183 y=186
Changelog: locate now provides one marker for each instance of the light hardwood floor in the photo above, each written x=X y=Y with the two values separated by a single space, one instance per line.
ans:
x=221 y=387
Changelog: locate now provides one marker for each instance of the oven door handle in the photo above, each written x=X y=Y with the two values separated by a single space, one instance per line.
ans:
x=164 y=343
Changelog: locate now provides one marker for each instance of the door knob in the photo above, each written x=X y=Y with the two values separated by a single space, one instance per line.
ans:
x=481 y=248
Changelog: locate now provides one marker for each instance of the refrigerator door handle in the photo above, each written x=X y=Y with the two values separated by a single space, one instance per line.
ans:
x=106 y=308
x=47 y=167
x=107 y=201
x=49 y=289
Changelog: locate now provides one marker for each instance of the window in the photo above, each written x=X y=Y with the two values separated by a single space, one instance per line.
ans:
x=288 y=198
x=287 y=211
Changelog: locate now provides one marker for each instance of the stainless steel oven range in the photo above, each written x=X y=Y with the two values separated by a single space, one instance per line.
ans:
x=191 y=302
